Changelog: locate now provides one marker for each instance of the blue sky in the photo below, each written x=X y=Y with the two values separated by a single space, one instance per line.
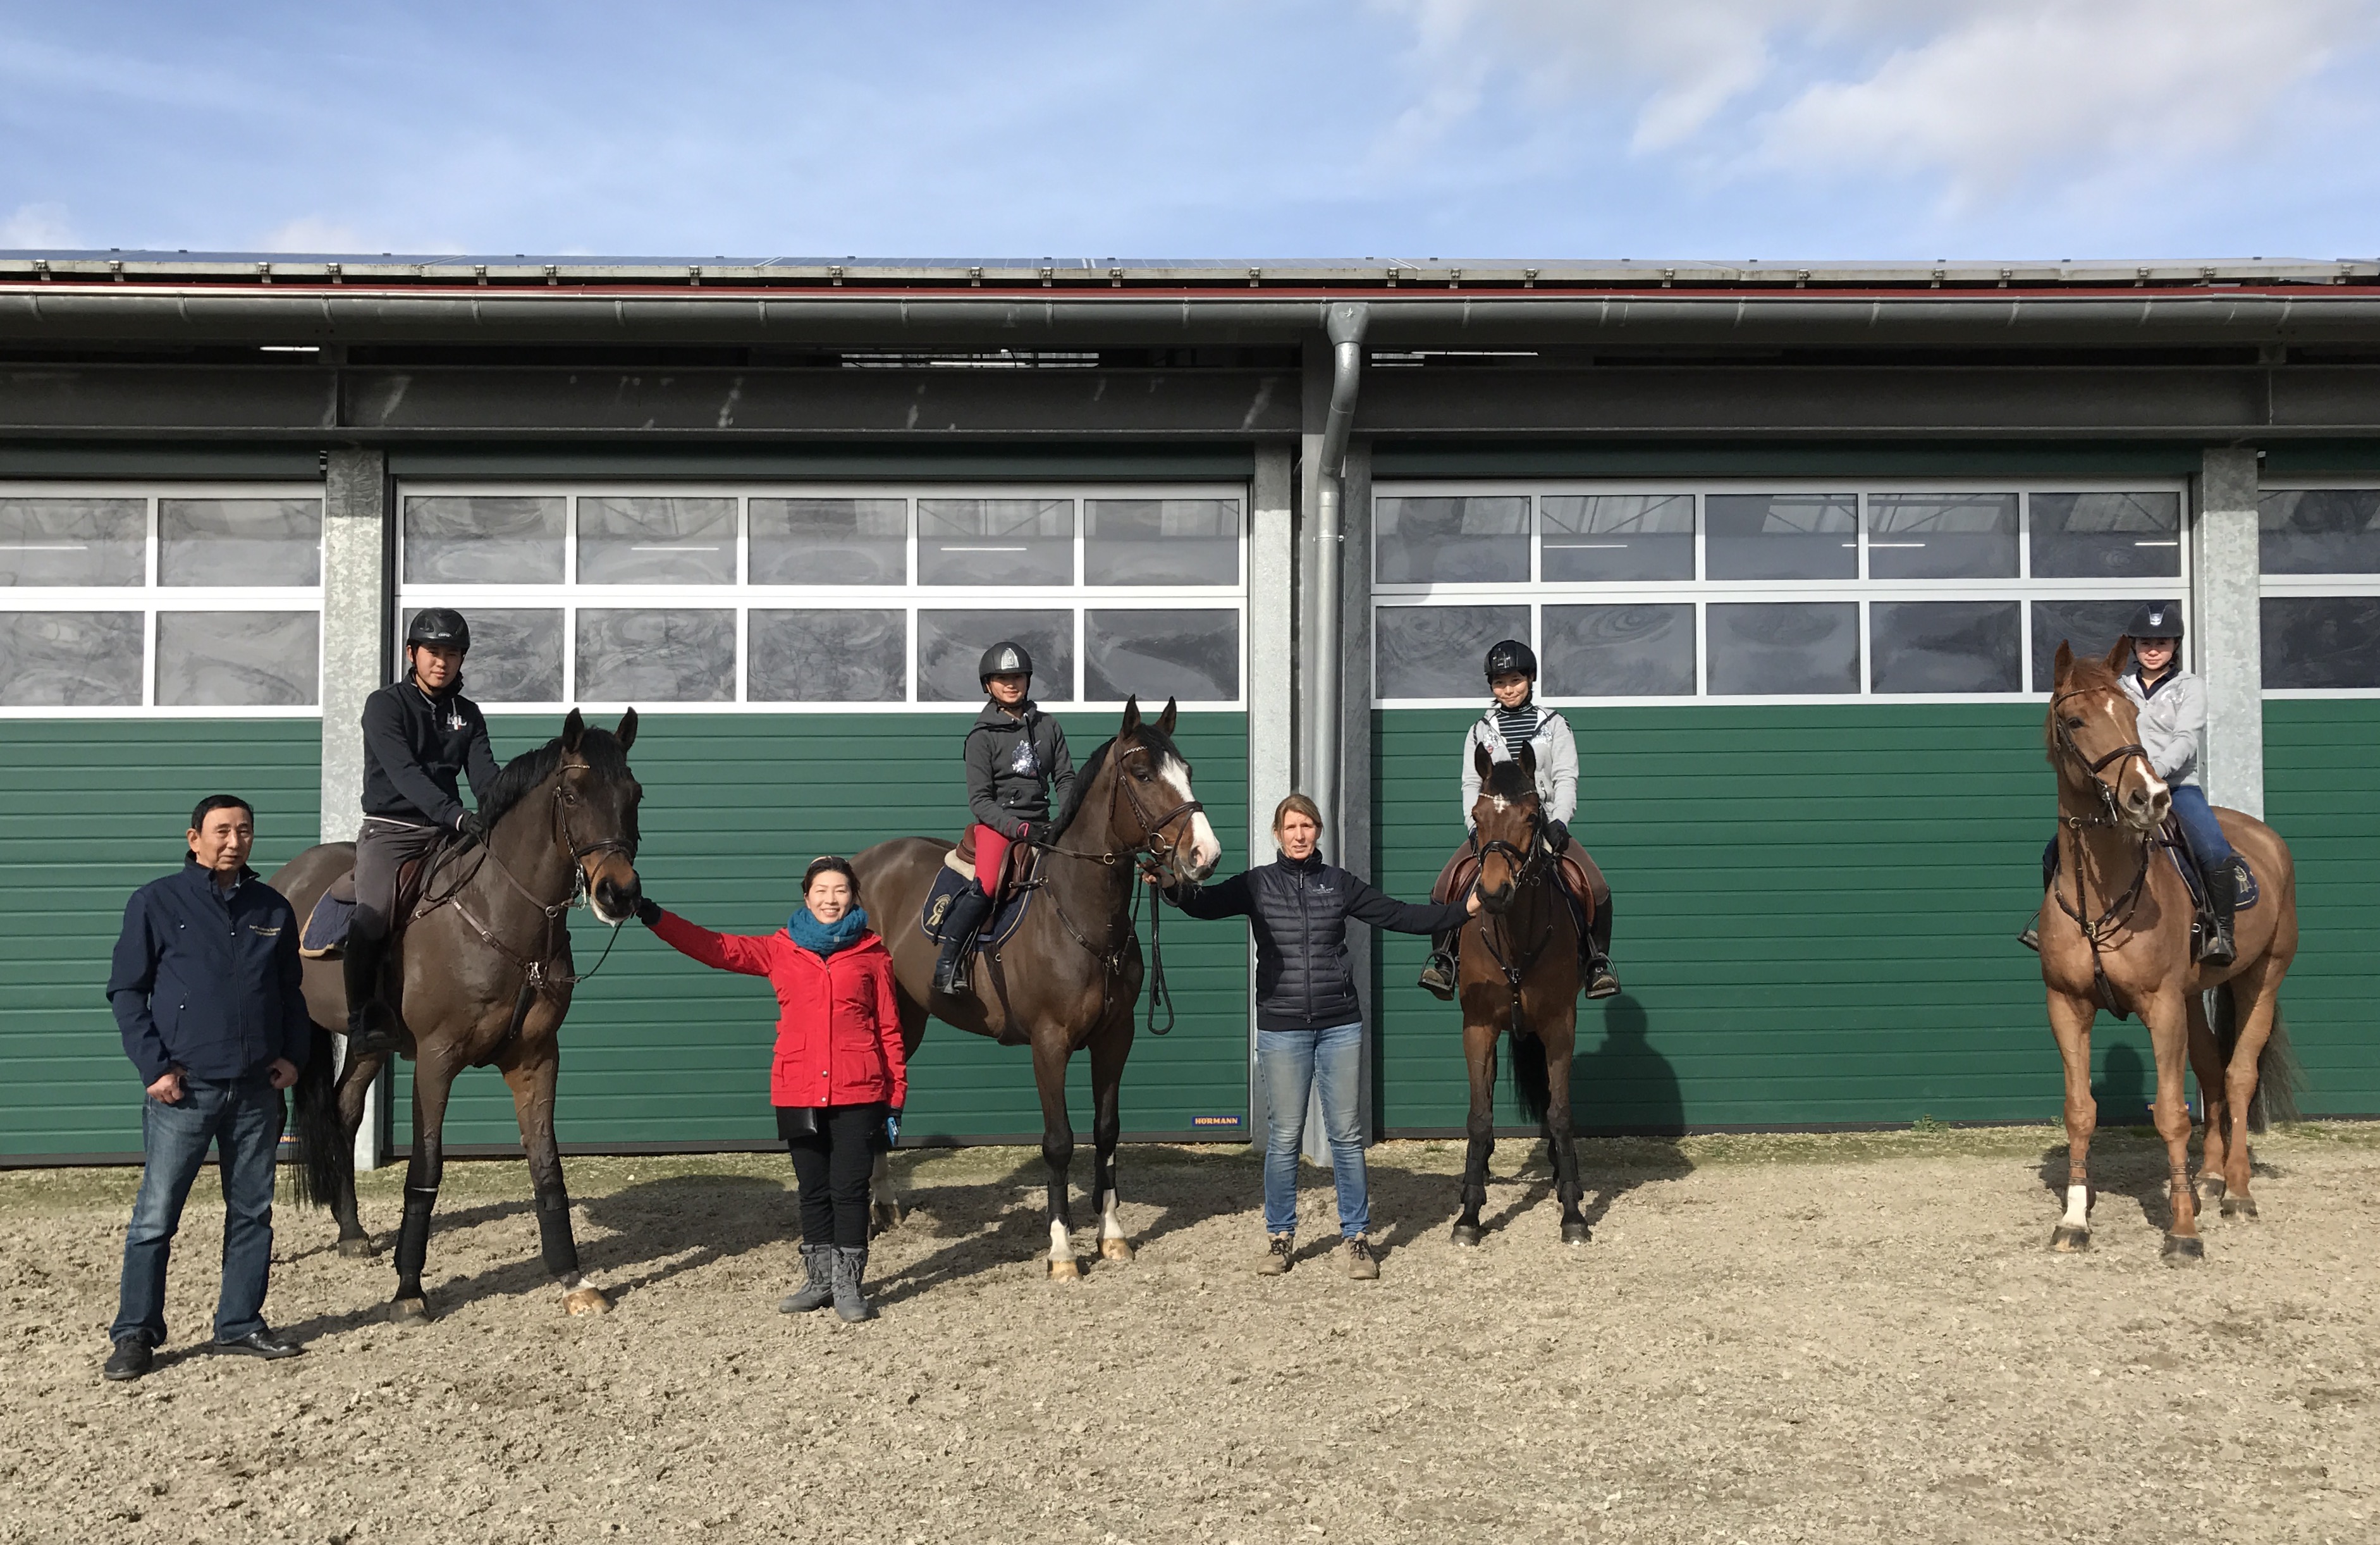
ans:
x=1724 y=129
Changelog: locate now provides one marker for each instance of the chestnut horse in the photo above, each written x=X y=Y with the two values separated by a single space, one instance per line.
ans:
x=1519 y=972
x=2116 y=934
x=1068 y=979
x=480 y=975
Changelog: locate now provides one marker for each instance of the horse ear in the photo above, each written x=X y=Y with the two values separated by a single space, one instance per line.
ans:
x=2065 y=665
x=574 y=729
x=627 y=730
x=1165 y=720
x=1529 y=762
x=1481 y=760
x=1131 y=714
x=2119 y=656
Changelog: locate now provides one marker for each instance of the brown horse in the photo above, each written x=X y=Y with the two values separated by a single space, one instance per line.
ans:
x=480 y=975
x=1519 y=972
x=1069 y=977
x=2115 y=933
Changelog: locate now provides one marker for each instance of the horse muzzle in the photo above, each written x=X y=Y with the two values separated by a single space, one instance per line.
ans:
x=2146 y=806
x=615 y=892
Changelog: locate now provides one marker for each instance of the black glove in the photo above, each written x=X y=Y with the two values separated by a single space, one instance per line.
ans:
x=1557 y=835
x=1032 y=832
x=470 y=825
x=649 y=911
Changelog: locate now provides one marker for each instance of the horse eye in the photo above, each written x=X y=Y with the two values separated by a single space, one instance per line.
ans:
x=2073 y=724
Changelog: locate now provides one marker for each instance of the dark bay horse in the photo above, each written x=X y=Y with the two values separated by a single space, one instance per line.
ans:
x=2115 y=933
x=480 y=975
x=1518 y=974
x=1069 y=977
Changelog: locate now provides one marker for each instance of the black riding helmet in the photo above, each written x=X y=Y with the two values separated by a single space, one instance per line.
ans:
x=2158 y=619
x=441 y=629
x=1512 y=657
x=1004 y=659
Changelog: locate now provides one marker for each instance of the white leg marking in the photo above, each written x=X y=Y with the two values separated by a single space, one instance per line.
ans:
x=2078 y=1208
x=1110 y=1226
x=1061 y=1247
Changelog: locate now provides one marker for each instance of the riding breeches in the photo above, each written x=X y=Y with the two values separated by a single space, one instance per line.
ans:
x=381 y=848
x=2208 y=843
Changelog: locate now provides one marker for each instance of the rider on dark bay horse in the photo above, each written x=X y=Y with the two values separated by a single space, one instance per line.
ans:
x=1016 y=763
x=2172 y=704
x=1512 y=722
x=420 y=735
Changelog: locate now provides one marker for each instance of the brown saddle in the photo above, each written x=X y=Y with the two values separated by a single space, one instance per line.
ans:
x=325 y=933
x=1023 y=862
x=1583 y=881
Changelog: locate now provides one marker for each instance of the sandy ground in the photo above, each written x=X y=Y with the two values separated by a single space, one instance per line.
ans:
x=1845 y=1338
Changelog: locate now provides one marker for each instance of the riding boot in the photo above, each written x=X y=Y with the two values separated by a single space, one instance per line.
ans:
x=2222 y=899
x=1596 y=970
x=2031 y=937
x=1438 y=976
x=959 y=930
x=369 y=1019
x=850 y=1302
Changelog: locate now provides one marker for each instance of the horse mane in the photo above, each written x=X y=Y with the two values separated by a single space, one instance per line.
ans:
x=600 y=750
x=1507 y=781
x=1148 y=734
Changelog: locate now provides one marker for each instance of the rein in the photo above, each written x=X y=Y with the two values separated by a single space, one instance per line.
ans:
x=1528 y=870
x=1146 y=850
x=2098 y=931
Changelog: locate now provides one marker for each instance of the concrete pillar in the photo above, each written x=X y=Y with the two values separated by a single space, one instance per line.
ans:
x=1272 y=726
x=2227 y=621
x=356 y=600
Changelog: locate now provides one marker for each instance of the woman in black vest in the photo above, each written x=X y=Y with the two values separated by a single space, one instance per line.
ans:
x=1309 y=1026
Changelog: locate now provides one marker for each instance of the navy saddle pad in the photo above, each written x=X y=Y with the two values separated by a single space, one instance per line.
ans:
x=2244 y=888
x=948 y=884
x=326 y=925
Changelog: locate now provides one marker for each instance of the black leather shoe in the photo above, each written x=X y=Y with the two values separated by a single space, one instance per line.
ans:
x=260 y=1344
x=2221 y=949
x=130 y=1359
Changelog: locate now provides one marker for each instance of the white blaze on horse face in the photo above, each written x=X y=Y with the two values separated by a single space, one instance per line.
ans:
x=1110 y=1226
x=2078 y=1208
x=1206 y=850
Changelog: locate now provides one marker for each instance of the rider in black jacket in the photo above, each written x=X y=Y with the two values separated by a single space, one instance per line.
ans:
x=420 y=735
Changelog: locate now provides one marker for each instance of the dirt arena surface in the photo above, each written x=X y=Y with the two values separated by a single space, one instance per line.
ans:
x=1777 y=1338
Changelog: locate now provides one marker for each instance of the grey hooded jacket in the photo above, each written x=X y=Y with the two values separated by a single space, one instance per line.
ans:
x=1015 y=764
x=2173 y=715
x=1556 y=759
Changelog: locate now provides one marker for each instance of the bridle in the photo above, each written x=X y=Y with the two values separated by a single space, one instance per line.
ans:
x=1152 y=843
x=1528 y=869
x=2097 y=931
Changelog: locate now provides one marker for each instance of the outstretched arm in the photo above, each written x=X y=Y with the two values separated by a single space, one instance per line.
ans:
x=723 y=952
x=1368 y=903
x=1225 y=898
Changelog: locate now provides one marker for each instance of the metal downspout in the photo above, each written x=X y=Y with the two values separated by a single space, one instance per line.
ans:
x=1344 y=325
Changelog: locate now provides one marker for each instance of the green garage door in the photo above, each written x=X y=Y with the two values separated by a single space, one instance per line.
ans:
x=660 y=1050
x=2318 y=758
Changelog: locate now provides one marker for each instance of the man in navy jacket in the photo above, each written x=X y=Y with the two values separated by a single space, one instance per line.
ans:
x=206 y=989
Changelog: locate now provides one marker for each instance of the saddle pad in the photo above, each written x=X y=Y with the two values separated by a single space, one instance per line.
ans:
x=948 y=882
x=326 y=925
x=2244 y=888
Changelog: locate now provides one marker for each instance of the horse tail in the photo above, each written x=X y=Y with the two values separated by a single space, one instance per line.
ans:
x=323 y=1156
x=1529 y=1078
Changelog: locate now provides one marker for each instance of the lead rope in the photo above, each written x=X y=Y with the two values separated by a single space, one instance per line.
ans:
x=1157 y=989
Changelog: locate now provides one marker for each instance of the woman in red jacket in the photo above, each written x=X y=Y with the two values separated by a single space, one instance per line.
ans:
x=840 y=1076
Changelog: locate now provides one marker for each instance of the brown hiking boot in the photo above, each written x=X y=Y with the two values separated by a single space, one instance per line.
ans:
x=1362 y=1264
x=1276 y=1258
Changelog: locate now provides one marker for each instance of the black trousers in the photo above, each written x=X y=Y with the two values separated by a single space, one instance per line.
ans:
x=830 y=1166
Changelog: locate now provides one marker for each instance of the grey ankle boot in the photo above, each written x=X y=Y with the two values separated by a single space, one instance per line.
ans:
x=818 y=1291
x=850 y=1265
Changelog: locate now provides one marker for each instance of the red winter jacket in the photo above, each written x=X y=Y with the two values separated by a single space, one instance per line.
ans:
x=838 y=1029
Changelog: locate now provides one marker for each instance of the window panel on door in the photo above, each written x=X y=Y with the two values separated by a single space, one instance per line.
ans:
x=1941 y=536
x=1468 y=539
x=995 y=541
x=75 y=541
x=2320 y=530
x=479 y=539
x=657 y=654
x=2106 y=536
x=239 y=542
x=238 y=659
x=656 y=541
x=1161 y=541
x=1189 y=654
x=1780 y=536
x=950 y=644
x=1441 y=652
x=829 y=541
x=1945 y=646
x=1610 y=537
x=2320 y=642
x=1619 y=652
x=828 y=655
x=1765 y=649
x=71 y=659
x=516 y=654
x=2090 y=628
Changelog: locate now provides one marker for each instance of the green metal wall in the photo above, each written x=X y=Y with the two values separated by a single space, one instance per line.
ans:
x=2319 y=756
x=91 y=810
x=1816 y=909
x=658 y=1049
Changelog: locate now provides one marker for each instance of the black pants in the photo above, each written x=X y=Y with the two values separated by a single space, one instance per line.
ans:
x=382 y=847
x=830 y=1166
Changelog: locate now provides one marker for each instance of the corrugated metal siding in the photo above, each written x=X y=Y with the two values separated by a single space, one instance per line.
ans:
x=1817 y=908
x=89 y=811
x=2318 y=759
x=658 y=1049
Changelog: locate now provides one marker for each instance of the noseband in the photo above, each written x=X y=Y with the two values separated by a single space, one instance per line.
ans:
x=2099 y=930
x=2092 y=769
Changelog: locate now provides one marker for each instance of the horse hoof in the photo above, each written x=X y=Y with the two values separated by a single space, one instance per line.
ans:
x=1574 y=1234
x=401 y=1310
x=2210 y=1193
x=358 y=1248
x=884 y=1217
x=1115 y=1249
x=2239 y=1207
x=2067 y=1239
x=2183 y=1250
x=1468 y=1235
x=586 y=1300
x=1066 y=1270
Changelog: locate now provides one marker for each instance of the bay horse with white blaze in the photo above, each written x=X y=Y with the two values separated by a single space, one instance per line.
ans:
x=480 y=975
x=2116 y=934
x=1069 y=977
x=1518 y=973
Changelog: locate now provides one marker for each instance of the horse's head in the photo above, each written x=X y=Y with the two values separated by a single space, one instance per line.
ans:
x=2093 y=738
x=595 y=801
x=1508 y=817
x=1155 y=806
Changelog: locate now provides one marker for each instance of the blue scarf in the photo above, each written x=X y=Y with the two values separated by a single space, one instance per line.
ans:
x=825 y=939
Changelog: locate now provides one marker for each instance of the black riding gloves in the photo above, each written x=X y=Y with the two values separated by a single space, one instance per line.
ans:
x=1557 y=835
x=649 y=911
x=1031 y=832
x=470 y=825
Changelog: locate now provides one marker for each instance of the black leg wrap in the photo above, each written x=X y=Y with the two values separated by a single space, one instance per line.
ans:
x=553 y=1234
x=413 y=1239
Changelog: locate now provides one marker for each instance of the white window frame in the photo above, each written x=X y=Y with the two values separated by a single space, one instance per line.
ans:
x=743 y=598
x=2279 y=586
x=148 y=598
x=1701 y=594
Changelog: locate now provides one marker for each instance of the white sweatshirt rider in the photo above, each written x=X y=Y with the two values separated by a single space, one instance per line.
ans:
x=2171 y=719
x=1554 y=752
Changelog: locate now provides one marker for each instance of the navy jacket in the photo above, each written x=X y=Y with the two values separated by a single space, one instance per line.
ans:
x=1299 y=911
x=206 y=982
x=416 y=746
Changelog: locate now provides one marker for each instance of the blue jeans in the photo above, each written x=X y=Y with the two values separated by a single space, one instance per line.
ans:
x=1292 y=1063
x=2208 y=843
x=243 y=1119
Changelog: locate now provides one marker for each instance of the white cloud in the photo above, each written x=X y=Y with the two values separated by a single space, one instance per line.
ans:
x=38 y=226
x=315 y=233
